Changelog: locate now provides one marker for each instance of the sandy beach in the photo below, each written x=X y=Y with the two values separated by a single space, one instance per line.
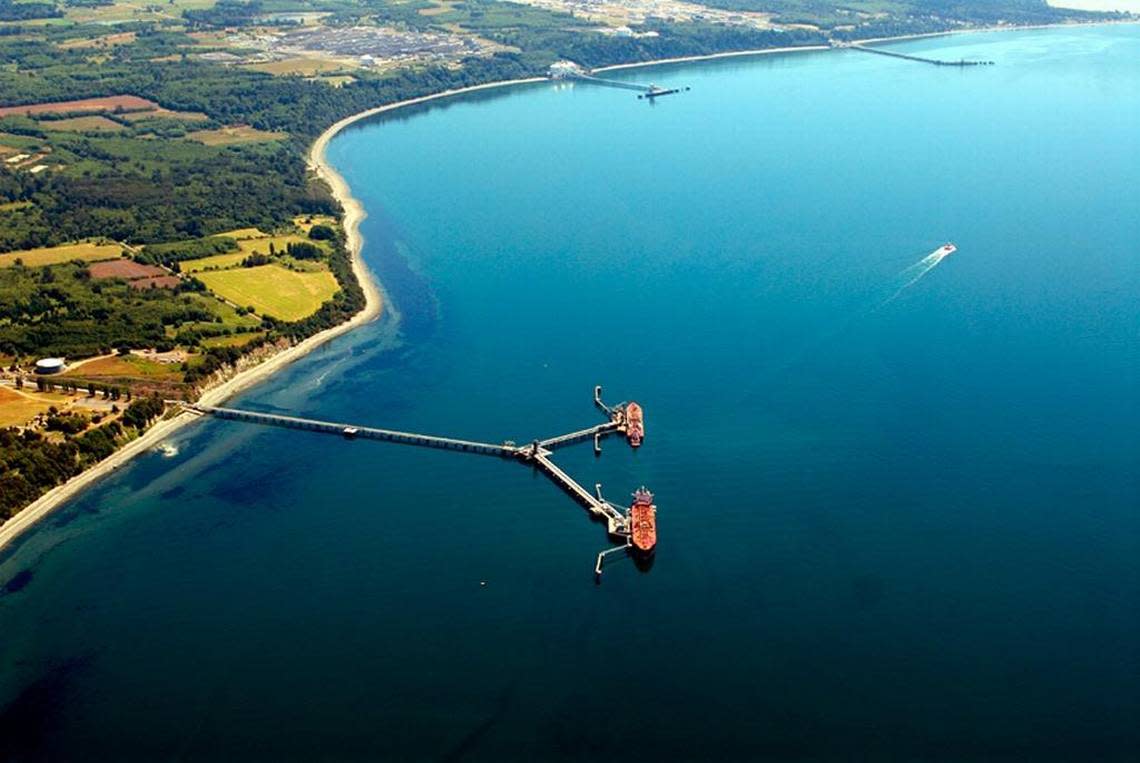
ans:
x=353 y=215
x=713 y=56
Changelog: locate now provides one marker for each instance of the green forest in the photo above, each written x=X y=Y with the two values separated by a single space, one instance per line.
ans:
x=32 y=463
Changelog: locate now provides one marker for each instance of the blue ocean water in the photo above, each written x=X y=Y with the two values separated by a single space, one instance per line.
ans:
x=896 y=523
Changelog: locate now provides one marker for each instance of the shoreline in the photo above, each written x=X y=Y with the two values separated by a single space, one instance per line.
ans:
x=896 y=38
x=713 y=56
x=26 y=519
x=354 y=214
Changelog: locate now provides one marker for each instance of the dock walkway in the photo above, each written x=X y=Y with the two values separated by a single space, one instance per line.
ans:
x=351 y=430
x=536 y=453
x=581 y=435
x=649 y=91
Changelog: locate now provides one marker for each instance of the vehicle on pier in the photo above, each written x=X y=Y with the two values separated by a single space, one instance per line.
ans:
x=643 y=522
x=634 y=424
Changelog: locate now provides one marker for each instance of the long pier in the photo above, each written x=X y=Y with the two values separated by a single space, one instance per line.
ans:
x=536 y=453
x=571 y=70
x=353 y=431
x=612 y=82
x=581 y=435
x=920 y=59
x=616 y=520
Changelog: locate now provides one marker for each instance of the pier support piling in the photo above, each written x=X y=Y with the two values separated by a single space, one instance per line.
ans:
x=603 y=554
x=536 y=452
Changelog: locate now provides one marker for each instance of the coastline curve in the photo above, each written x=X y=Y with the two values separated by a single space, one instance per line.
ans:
x=354 y=214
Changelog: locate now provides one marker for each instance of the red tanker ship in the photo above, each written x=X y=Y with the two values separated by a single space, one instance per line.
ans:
x=643 y=522
x=634 y=424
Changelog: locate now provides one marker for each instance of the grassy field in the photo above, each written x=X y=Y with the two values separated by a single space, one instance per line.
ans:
x=250 y=241
x=304 y=66
x=233 y=340
x=228 y=315
x=251 y=245
x=93 y=105
x=55 y=254
x=181 y=116
x=273 y=290
x=229 y=136
x=437 y=10
x=82 y=124
x=306 y=222
x=107 y=40
x=217 y=261
x=128 y=367
x=133 y=10
x=240 y=233
x=308 y=266
x=17 y=410
x=19 y=142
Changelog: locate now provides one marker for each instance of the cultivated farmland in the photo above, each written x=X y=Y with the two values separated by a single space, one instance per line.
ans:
x=86 y=105
x=53 y=255
x=93 y=122
x=125 y=269
x=272 y=290
x=217 y=262
x=228 y=136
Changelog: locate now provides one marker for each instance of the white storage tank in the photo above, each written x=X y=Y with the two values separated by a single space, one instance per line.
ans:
x=49 y=365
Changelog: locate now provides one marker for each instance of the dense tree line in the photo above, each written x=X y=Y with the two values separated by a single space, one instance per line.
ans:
x=31 y=464
x=303 y=250
x=12 y=11
x=903 y=17
x=215 y=359
x=148 y=200
x=168 y=254
x=58 y=310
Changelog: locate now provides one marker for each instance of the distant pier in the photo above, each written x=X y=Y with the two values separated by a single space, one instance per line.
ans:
x=352 y=432
x=646 y=91
x=908 y=57
x=570 y=70
x=537 y=452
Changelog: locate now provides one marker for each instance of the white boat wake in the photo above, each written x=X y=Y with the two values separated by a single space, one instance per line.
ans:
x=918 y=270
x=903 y=281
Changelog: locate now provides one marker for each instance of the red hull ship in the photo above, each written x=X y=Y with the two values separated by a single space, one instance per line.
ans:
x=634 y=424
x=643 y=522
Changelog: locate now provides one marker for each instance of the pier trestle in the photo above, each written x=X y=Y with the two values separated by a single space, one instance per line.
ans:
x=536 y=452
x=920 y=59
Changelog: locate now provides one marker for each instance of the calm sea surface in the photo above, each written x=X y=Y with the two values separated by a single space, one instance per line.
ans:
x=897 y=522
